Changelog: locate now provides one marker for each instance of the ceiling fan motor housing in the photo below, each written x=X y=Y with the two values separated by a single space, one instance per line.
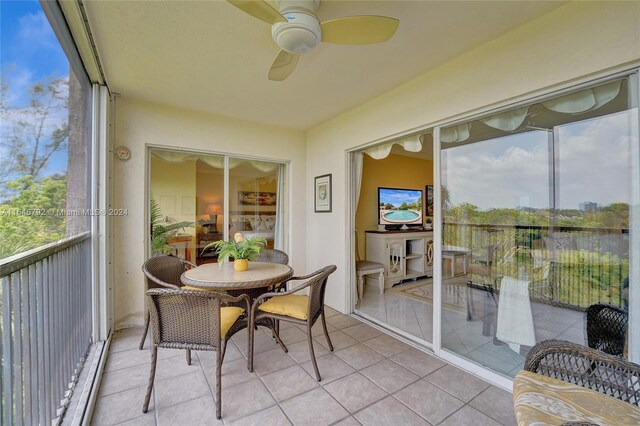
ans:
x=300 y=34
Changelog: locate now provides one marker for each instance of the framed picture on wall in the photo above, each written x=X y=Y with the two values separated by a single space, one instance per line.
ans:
x=322 y=194
x=429 y=207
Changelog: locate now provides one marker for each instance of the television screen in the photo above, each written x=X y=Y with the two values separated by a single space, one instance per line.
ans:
x=399 y=206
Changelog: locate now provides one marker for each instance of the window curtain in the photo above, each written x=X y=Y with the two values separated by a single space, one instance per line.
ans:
x=574 y=103
x=215 y=161
x=279 y=228
x=356 y=178
x=412 y=144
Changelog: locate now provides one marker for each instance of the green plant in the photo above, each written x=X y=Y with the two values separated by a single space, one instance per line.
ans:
x=239 y=248
x=162 y=232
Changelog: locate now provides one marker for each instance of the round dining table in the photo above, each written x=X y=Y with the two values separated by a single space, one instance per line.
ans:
x=222 y=277
x=255 y=281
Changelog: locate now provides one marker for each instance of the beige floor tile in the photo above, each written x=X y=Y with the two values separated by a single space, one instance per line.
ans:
x=387 y=345
x=272 y=416
x=355 y=392
x=233 y=373
x=330 y=311
x=244 y=399
x=343 y=321
x=314 y=408
x=290 y=382
x=130 y=357
x=121 y=380
x=176 y=366
x=389 y=412
x=359 y=356
x=270 y=361
x=419 y=362
x=128 y=341
x=362 y=332
x=200 y=411
x=331 y=368
x=262 y=342
x=389 y=376
x=339 y=340
x=120 y=407
x=291 y=335
x=497 y=404
x=349 y=421
x=468 y=416
x=300 y=351
x=316 y=330
x=429 y=401
x=148 y=419
x=176 y=390
x=463 y=386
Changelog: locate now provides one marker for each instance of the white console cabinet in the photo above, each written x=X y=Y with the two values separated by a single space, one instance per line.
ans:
x=404 y=254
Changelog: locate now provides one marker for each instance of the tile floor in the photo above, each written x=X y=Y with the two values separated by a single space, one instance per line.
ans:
x=473 y=339
x=371 y=379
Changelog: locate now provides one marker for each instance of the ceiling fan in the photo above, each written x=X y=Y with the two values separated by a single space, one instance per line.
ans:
x=296 y=29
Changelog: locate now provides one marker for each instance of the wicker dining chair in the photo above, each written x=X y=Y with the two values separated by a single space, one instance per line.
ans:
x=162 y=272
x=606 y=328
x=192 y=320
x=273 y=256
x=294 y=308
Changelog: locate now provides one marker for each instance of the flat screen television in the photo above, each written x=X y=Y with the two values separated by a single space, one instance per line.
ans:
x=397 y=206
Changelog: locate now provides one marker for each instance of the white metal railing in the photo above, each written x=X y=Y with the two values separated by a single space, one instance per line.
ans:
x=45 y=329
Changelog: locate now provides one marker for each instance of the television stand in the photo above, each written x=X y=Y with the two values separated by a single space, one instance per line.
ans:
x=404 y=254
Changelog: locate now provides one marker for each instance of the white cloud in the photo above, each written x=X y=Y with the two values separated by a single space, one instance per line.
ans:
x=594 y=165
x=34 y=31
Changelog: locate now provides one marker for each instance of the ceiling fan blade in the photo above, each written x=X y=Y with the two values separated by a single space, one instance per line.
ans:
x=259 y=9
x=359 y=29
x=283 y=65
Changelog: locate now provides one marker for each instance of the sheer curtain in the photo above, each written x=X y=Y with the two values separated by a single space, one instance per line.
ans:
x=279 y=228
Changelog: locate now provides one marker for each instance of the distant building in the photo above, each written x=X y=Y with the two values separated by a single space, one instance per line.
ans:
x=588 y=206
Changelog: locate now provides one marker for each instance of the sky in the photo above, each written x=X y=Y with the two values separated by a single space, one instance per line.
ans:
x=29 y=53
x=593 y=164
x=399 y=196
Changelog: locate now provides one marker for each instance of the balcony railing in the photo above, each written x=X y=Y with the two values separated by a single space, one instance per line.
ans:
x=569 y=266
x=45 y=329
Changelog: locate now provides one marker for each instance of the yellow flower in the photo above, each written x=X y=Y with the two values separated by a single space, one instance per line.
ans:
x=238 y=237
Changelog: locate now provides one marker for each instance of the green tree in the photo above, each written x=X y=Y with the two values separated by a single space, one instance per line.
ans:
x=32 y=133
x=35 y=216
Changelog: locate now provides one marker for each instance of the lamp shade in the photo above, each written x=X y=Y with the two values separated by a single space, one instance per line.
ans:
x=213 y=208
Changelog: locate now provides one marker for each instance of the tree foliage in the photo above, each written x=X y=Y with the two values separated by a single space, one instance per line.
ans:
x=32 y=133
x=35 y=216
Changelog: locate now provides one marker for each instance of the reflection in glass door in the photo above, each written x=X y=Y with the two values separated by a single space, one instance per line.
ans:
x=536 y=207
x=189 y=209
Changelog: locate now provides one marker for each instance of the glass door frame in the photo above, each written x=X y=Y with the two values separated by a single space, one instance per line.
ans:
x=634 y=248
x=634 y=229
x=286 y=222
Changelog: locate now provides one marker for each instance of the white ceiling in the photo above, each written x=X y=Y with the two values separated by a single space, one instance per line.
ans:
x=210 y=56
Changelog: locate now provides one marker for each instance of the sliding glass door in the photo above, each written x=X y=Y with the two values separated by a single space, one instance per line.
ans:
x=537 y=207
x=196 y=199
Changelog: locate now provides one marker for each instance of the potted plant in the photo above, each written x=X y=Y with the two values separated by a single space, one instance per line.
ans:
x=162 y=229
x=241 y=250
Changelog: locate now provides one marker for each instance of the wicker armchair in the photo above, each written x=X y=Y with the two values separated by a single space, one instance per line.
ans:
x=297 y=309
x=162 y=272
x=586 y=367
x=192 y=320
x=606 y=328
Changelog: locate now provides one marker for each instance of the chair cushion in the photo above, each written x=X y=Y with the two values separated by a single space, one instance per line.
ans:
x=544 y=400
x=228 y=316
x=291 y=305
x=188 y=287
x=364 y=265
